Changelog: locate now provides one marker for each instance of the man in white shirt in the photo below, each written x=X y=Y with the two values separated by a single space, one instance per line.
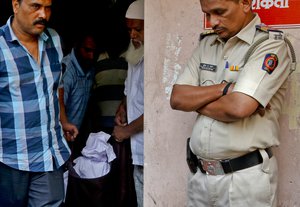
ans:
x=130 y=115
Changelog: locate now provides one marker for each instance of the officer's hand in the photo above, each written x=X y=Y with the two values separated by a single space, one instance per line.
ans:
x=230 y=88
x=261 y=110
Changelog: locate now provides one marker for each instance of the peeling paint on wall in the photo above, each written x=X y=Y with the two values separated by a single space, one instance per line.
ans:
x=292 y=105
x=171 y=67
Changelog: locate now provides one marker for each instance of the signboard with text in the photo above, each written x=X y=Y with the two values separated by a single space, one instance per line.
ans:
x=275 y=13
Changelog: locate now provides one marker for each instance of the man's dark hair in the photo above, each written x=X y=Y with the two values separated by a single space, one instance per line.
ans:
x=82 y=37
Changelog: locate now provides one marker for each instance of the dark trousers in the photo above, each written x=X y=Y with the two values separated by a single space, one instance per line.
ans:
x=21 y=188
x=124 y=194
x=122 y=173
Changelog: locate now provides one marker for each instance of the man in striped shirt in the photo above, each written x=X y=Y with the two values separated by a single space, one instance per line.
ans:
x=32 y=144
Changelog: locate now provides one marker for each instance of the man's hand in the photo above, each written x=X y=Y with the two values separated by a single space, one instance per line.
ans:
x=121 y=116
x=70 y=131
x=125 y=131
x=120 y=133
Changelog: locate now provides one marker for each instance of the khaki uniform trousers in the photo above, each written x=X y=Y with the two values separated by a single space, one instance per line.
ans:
x=254 y=186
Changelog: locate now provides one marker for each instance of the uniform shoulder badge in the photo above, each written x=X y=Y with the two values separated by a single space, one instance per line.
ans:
x=206 y=33
x=270 y=62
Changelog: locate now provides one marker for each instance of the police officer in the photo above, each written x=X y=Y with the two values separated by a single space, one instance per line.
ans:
x=236 y=81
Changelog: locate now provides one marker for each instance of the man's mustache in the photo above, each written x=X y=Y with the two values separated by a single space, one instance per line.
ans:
x=137 y=41
x=41 y=21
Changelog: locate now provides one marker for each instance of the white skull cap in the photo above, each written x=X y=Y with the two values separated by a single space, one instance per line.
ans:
x=136 y=10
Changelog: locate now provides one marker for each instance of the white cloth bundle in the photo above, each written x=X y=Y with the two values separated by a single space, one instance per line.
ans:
x=96 y=157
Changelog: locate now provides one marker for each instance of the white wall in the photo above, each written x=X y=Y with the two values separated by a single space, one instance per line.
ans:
x=171 y=33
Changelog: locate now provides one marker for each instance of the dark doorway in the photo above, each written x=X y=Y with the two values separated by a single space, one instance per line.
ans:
x=72 y=17
x=106 y=18
x=5 y=11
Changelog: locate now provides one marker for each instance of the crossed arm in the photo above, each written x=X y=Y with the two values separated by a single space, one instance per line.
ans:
x=209 y=101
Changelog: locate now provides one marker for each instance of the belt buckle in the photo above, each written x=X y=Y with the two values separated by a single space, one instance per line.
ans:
x=212 y=167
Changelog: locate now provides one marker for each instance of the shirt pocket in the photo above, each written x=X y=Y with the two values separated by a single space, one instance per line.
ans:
x=231 y=76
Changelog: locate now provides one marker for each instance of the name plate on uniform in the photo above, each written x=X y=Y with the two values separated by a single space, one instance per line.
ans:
x=209 y=67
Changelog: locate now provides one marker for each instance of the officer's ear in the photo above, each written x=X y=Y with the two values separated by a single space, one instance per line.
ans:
x=247 y=5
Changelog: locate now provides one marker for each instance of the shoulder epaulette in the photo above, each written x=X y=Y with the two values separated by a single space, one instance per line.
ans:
x=262 y=27
x=273 y=33
x=265 y=28
x=276 y=35
x=206 y=33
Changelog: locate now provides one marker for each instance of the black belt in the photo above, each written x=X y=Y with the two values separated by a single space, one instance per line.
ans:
x=220 y=167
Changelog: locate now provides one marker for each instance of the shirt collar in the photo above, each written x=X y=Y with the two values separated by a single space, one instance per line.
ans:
x=247 y=34
x=11 y=35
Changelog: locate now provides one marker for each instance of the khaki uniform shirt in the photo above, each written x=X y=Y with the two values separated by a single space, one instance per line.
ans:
x=214 y=61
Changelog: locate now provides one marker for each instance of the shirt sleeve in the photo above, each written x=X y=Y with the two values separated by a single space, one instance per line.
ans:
x=265 y=72
x=68 y=82
x=126 y=86
x=191 y=73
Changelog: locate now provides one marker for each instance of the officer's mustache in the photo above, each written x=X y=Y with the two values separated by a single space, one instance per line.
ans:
x=41 y=21
x=216 y=28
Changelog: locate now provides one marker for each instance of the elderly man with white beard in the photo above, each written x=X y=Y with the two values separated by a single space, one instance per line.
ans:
x=130 y=114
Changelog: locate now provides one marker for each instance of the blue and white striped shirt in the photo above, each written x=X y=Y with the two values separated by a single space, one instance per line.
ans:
x=31 y=137
x=77 y=86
